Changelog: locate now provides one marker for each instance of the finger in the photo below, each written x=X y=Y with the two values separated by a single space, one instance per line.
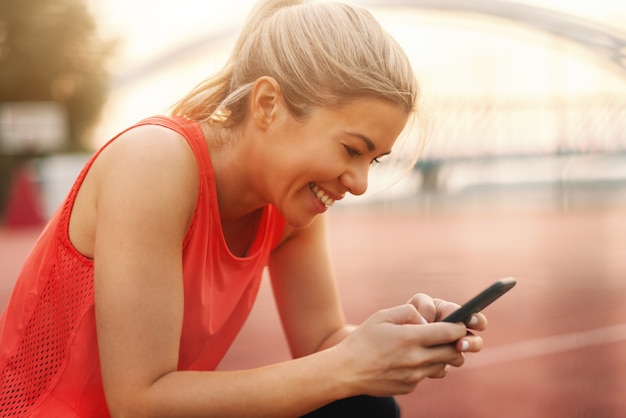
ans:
x=437 y=371
x=478 y=322
x=425 y=306
x=458 y=361
x=448 y=354
x=400 y=315
x=439 y=333
x=469 y=344
x=436 y=355
x=444 y=308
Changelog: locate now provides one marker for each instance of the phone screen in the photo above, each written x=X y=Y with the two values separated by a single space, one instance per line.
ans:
x=481 y=301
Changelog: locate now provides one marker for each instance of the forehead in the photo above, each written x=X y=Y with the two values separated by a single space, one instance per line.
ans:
x=379 y=121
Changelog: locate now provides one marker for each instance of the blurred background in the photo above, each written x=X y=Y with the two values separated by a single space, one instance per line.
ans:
x=524 y=174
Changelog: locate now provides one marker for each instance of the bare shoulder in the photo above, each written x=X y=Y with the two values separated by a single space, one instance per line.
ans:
x=148 y=144
x=146 y=152
x=152 y=165
x=148 y=170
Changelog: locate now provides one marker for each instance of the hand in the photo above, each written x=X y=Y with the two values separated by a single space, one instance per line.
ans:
x=393 y=351
x=434 y=310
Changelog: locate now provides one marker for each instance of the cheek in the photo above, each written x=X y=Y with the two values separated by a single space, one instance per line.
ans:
x=313 y=162
x=324 y=169
x=312 y=155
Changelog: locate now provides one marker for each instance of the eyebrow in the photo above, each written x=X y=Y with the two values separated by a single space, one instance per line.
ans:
x=368 y=142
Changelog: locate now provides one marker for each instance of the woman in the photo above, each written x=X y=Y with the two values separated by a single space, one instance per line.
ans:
x=146 y=273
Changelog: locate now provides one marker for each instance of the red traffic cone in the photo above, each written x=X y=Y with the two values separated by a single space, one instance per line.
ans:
x=25 y=206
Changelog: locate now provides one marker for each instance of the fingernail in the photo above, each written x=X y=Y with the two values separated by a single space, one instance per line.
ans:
x=423 y=320
x=473 y=320
x=464 y=345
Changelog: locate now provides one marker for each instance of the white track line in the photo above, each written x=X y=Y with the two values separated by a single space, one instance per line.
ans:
x=548 y=345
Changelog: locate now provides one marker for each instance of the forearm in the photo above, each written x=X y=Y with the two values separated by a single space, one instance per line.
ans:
x=288 y=389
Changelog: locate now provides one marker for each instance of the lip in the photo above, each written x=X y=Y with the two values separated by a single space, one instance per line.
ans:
x=321 y=205
x=327 y=192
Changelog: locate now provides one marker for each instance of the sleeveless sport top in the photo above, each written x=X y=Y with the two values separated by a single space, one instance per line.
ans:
x=49 y=362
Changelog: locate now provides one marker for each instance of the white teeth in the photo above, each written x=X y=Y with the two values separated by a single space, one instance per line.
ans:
x=323 y=197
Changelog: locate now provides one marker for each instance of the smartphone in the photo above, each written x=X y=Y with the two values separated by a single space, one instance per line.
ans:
x=481 y=301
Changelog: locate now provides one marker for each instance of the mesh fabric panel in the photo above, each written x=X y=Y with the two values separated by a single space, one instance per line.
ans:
x=40 y=357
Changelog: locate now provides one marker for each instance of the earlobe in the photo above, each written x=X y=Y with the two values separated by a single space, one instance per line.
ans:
x=264 y=101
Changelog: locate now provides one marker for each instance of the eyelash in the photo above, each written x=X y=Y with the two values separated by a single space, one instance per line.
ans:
x=354 y=153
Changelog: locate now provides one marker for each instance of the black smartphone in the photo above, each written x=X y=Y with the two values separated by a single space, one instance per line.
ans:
x=481 y=301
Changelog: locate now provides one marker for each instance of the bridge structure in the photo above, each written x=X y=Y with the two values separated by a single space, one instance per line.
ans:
x=606 y=43
x=471 y=128
x=477 y=128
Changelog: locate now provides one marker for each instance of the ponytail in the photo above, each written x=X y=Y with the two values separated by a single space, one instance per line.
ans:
x=219 y=98
x=321 y=54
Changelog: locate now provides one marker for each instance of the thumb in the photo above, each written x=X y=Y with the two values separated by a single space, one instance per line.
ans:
x=402 y=315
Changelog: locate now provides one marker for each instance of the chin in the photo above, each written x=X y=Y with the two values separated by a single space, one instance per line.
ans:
x=299 y=222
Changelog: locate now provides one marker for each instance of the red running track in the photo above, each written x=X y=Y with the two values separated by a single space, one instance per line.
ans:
x=556 y=344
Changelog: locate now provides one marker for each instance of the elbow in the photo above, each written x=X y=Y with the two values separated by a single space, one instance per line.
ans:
x=131 y=403
x=123 y=409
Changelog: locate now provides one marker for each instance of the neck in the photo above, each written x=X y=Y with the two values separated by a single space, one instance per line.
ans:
x=236 y=194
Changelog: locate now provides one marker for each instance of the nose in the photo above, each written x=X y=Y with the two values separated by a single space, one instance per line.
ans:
x=355 y=179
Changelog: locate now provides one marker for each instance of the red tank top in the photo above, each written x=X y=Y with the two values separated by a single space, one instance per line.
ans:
x=49 y=363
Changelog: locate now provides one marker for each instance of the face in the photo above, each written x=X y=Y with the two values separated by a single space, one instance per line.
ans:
x=312 y=163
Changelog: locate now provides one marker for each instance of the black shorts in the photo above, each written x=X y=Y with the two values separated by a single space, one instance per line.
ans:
x=359 y=406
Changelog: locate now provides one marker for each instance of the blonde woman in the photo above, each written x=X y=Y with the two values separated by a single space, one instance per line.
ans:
x=146 y=273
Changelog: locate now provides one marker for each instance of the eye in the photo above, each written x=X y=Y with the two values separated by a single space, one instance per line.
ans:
x=352 y=152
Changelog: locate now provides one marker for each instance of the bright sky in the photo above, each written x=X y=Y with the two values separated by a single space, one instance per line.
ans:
x=483 y=63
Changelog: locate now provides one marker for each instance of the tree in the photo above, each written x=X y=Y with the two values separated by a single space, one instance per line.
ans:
x=50 y=51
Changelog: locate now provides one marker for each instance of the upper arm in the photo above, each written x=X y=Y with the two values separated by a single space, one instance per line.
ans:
x=304 y=288
x=146 y=184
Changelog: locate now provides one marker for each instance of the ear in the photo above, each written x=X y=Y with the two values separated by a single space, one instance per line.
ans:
x=265 y=100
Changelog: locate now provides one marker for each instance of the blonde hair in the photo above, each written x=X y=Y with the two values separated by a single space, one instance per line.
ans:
x=321 y=54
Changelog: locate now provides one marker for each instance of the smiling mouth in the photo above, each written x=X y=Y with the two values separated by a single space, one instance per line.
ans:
x=323 y=197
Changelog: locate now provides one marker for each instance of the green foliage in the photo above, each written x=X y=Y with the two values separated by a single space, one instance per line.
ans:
x=50 y=50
